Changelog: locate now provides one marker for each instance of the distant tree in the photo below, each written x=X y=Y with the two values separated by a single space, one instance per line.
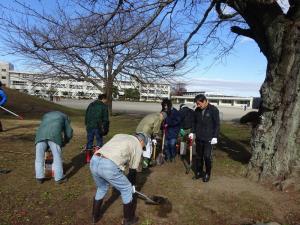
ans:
x=132 y=94
x=84 y=40
x=115 y=91
x=178 y=89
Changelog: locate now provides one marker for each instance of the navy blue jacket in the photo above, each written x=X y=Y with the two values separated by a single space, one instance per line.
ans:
x=206 y=126
x=173 y=122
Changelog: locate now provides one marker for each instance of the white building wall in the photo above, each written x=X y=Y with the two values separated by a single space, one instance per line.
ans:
x=41 y=85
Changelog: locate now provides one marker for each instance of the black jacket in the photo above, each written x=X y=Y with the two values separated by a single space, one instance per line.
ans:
x=187 y=118
x=207 y=126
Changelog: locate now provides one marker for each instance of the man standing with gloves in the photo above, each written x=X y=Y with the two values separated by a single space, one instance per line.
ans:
x=206 y=129
x=107 y=167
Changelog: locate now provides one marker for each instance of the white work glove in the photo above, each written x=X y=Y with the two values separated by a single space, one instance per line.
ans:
x=214 y=141
x=154 y=141
x=191 y=136
x=133 y=189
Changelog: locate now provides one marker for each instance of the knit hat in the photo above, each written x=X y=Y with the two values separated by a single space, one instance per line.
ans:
x=142 y=137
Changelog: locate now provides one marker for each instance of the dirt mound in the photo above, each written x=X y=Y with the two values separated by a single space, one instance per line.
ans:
x=29 y=106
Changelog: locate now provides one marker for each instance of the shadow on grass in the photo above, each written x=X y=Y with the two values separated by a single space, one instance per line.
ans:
x=234 y=149
x=20 y=127
x=75 y=165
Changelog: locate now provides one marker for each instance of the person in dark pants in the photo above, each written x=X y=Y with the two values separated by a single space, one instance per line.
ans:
x=206 y=129
x=187 y=121
x=172 y=126
x=96 y=121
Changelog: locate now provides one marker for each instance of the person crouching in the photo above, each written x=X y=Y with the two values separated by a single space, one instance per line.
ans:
x=107 y=167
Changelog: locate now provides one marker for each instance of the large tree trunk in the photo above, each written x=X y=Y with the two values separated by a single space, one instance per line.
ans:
x=276 y=140
x=109 y=93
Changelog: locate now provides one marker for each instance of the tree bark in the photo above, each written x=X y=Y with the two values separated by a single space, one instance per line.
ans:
x=276 y=139
x=109 y=92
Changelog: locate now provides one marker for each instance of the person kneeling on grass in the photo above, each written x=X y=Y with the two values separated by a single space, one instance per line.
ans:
x=49 y=134
x=107 y=166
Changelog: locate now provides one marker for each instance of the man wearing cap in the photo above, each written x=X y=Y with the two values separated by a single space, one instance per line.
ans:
x=171 y=129
x=107 y=167
x=150 y=125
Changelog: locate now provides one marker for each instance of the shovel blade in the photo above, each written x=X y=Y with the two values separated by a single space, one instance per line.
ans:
x=156 y=200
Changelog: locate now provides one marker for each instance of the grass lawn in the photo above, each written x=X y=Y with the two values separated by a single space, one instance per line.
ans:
x=229 y=198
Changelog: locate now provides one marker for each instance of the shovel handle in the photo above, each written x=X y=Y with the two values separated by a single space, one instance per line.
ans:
x=154 y=152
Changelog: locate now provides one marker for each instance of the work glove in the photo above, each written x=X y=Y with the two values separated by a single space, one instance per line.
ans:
x=214 y=141
x=131 y=176
x=154 y=141
x=181 y=132
x=191 y=136
x=133 y=189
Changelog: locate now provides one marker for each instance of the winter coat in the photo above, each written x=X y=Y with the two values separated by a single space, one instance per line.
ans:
x=173 y=121
x=206 y=126
x=53 y=125
x=150 y=124
x=3 y=97
x=96 y=116
x=187 y=117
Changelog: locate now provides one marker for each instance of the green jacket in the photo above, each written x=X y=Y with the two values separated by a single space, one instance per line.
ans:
x=150 y=124
x=53 y=125
x=96 y=116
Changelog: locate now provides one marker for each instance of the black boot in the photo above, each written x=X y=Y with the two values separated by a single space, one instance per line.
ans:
x=206 y=177
x=198 y=175
x=129 y=214
x=208 y=163
x=96 y=210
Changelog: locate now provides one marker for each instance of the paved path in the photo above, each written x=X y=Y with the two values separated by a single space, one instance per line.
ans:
x=226 y=113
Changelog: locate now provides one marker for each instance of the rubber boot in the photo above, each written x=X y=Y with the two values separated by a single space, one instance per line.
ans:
x=198 y=175
x=96 y=210
x=206 y=177
x=199 y=170
x=129 y=214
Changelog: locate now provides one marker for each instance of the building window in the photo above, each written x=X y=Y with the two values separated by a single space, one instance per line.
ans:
x=4 y=70
x=3 y=77
x=16 y=82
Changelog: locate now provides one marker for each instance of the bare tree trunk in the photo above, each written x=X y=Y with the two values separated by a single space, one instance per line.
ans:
x=276 y=140
x=109 y=93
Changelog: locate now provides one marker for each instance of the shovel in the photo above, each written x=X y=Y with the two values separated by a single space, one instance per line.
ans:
x=153 y=200
x=161 y=157
x=16 y=115
x=153 y=162
x=191 y=156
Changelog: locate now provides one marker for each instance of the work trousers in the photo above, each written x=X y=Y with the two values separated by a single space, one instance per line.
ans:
x=203 y=153
x=106 y=172
x=57 y=165
x=91 y=133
